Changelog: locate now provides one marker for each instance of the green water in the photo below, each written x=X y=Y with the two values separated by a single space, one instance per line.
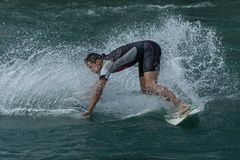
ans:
x=43 y=79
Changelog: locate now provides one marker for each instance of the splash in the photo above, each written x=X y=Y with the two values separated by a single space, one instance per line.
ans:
x=46 y=83
x=54 y=80
x=192 y=64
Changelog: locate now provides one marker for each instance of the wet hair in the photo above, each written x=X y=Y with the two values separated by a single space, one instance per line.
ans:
x=93 y=57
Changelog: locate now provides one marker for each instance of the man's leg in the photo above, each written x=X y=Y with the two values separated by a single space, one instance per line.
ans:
x=151 y=87
x=142 y=84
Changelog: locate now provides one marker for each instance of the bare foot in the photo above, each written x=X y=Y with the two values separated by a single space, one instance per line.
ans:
x=183 y=108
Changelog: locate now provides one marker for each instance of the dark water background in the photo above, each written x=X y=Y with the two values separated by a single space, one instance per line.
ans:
x=43 y=79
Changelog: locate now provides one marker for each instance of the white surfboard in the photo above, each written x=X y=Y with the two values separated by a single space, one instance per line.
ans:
x=176 y=119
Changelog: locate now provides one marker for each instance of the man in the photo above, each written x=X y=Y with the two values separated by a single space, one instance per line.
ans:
x=147 y=54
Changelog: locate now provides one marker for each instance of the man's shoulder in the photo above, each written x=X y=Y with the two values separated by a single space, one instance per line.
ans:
x=106 y=68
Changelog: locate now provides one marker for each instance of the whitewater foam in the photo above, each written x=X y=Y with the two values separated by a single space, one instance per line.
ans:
x=53 y=80
x=110 y=10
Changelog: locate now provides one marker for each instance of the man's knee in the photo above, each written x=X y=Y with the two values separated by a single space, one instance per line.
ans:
x=149 y=86
x=149 y=89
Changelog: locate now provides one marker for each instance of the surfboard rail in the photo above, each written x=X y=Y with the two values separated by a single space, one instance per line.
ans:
x=177 y=118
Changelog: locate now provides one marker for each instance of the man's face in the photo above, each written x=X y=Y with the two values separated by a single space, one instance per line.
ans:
x=95 y=67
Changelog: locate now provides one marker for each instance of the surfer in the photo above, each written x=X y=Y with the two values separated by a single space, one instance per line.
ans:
x=147 y=54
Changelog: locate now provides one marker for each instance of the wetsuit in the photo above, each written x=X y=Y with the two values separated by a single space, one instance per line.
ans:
x=146 y=53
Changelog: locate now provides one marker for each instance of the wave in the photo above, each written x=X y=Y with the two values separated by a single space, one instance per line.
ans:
x=102 y=11
x=199 y=5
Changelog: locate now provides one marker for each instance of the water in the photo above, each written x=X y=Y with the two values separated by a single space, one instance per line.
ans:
x=43 y=79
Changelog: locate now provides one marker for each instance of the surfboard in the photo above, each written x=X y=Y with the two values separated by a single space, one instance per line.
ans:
x=176 y=119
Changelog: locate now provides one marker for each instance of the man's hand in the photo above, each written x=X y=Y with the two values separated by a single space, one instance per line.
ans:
x=87 y=114
x=96 y=94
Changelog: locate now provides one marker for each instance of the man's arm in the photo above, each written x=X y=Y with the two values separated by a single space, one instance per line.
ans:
x=96 y=95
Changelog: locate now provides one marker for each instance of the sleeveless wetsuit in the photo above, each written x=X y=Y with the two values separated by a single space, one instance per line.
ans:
x=146 y=53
